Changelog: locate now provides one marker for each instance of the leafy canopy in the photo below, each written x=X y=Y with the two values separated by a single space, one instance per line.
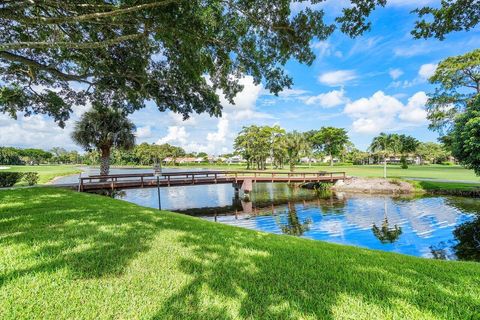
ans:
x=433 y=22
x=457 y=80
x=55 y=54
x=176 y=53
x=103 y=128
x=466 y=137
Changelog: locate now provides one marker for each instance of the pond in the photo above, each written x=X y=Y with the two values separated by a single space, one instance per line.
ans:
x=430 y=226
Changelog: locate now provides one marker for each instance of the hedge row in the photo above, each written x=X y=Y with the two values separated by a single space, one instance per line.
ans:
x=8 y=179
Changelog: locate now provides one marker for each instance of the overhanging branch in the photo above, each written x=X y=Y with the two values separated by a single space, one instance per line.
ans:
x=32 y=63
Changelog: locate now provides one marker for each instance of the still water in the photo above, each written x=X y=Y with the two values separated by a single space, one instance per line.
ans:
x=432 y=227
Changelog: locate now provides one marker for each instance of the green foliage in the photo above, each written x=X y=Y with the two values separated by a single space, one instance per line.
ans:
x=103 y=128
x=329 y=140
x=448 y=16
x=296 y=146
x=31 y=178
x=432 y=152
x=113 y=49
x=457 y=80
x=256 y=143
x=466 y=136
x=9 y=155
x=8 y=179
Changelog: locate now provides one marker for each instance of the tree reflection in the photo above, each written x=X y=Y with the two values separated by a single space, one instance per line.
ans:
x=468 y=237
x=294 y=227
x=385 y=233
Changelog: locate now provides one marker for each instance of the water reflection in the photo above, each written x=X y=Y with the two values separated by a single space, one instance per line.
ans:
x=293 y=226
x=466 y=243
x=435 y=227
x=386 y=233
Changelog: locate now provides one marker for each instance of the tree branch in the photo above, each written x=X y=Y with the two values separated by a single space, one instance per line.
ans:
x=93 y=16
x=70 y=45
x=29 y=62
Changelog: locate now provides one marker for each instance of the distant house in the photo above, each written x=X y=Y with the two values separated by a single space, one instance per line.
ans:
x=326 y=159
x=183 y=160
x=235 y=159
x=308 y=160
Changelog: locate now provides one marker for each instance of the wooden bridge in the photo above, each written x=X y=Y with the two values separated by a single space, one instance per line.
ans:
x=240 y=179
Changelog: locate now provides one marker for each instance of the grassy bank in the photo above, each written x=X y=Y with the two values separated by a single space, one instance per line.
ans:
x=70 y=255
x=447 y=188
x=47 y=172
x=440 y=172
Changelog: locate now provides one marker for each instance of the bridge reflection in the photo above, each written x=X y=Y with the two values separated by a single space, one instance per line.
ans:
x=241 y=208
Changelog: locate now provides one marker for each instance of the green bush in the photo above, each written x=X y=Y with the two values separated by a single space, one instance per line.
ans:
x=31 y=178
x=8 y=179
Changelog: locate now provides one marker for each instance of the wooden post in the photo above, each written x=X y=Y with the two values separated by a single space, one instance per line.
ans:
x=215 y=178
x=141 y=178
x=169 y=180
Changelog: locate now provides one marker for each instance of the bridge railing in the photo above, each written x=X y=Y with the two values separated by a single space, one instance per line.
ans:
x=190 y=177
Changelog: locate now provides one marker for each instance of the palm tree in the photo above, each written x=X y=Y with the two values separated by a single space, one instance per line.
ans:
x=102 y=128
x=408 y=145
x=296 y=146
x=385 y=145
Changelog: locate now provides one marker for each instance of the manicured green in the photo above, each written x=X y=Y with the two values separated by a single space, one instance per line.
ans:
x=434 y=185
x=440 y=172
x=46 y=172
x=70 y=255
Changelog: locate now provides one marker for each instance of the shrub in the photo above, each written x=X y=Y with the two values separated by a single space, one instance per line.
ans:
x=403 y=161
x=31 y=178
x=8 y=179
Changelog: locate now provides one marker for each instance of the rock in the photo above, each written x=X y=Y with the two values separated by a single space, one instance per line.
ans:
x=373 y=185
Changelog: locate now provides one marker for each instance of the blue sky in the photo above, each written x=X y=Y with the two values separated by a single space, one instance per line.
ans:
x=366 y=85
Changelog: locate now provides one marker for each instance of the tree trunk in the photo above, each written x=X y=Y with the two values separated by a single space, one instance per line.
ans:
x=385 y=167
x=331 y=160
x=105 y=162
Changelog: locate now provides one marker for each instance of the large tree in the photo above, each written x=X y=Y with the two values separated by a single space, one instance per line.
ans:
x=103 y=128
x=407 y=146
x=330 y=140
x=466 y=137
x=457 y=81
x=177 y=53
x=296 y=146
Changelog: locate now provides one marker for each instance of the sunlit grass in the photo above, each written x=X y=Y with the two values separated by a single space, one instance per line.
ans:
x=66 y=255
x=46 y=172
x=440 y=172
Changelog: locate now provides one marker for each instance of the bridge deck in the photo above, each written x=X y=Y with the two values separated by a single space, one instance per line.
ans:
x=145 y=180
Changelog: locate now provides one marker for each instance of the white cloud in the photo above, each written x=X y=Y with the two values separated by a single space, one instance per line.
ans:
x=427 y=70
x=337 y=78
x=176 y=135
x=330 y=99
x=325 y=49
x=143 y=132
x=414 y=112
x=424 y=73
x=382 y=112
x=413 y=50
x=395 y=73
x=222 y=132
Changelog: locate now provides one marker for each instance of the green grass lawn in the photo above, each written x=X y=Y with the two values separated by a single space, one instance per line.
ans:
x=47 y=172
x=434 y=185
x=70 y=255
x=441 y=172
